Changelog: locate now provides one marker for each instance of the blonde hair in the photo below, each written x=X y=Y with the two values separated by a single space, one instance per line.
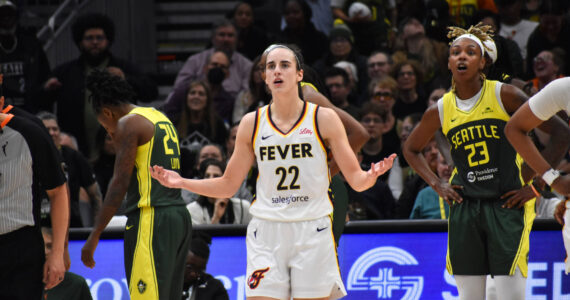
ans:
x=480 y=31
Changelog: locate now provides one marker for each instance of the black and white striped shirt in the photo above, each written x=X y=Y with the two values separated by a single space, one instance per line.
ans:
x=28 y=163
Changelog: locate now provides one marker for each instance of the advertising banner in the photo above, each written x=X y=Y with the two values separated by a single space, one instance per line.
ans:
x=407 y=266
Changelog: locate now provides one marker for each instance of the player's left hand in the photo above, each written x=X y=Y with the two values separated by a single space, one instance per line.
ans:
x=518 y=197
x=54 y=271
x=88 y=251
x=379 y=168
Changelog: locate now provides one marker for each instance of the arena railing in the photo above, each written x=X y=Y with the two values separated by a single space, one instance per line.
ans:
x=380 y=226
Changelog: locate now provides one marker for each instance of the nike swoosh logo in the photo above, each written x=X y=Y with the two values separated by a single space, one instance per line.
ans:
x=129 y=227
x=266 y=137
x=321 y=229
x=453 y=120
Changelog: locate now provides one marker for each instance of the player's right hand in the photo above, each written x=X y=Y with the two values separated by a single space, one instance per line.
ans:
x=448 y=192
x=88 y=251
x=168 y=178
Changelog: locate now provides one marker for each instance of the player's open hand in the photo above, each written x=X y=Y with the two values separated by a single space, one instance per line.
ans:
x=379 y=168
x=88 y=251
x=168 y=178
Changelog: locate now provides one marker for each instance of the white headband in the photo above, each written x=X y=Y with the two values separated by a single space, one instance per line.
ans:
x=473 y=38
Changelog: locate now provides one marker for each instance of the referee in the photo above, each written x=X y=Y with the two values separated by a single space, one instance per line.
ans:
x=28 y=164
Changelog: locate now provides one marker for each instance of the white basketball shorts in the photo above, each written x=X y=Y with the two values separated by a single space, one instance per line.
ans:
x=292 y=259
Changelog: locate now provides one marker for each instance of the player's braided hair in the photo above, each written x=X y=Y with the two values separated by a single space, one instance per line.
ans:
x=480 y=31
x=108 y=90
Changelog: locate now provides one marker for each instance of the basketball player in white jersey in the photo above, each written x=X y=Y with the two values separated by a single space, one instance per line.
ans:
x=550 y=100
x=290 y=246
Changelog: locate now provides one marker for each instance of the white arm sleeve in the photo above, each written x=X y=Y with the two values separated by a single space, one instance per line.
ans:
x=440 y=110
x=553 y=98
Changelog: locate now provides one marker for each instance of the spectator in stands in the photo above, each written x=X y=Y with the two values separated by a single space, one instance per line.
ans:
x=508 y=63
x=408 y=124
x=199 y=285
x=412 y=43
x=379 y=64
x=428 y=204
x=384 y=92
x=553 y=31
x=78 y=172
x=513 y=27
x=351 y=70
x=197 y=123
x=215 y=71
x=206 y=210
x=411 y=96
x=93 y=34
x=373 y=118
x=378 y=201
x=547 y=65
x=341 y=48
x=371 y=32
x=255 y=96
x=231 y=140
x=224 y=38
x=22 y=61
x=322 y=16
x=463 y=12
x=251 y=40
x=337 y=82
x=413 y=184
x=299 y=30
x=435 y=95
x=105 y=160
x=212 y=151
x=436 y=19
x=73 y=286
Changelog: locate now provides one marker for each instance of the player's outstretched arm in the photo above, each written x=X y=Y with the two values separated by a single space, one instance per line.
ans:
x=412 y=151
x=229 y=183
x=332 y=132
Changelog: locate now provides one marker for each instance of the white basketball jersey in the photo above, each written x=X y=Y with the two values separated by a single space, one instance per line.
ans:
x=293 y=181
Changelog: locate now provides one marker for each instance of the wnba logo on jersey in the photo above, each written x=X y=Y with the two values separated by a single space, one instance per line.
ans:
x=256 y=276
x=375 y=270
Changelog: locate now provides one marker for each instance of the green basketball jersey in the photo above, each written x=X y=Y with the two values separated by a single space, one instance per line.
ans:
x=163 y=150
x=486 y=164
